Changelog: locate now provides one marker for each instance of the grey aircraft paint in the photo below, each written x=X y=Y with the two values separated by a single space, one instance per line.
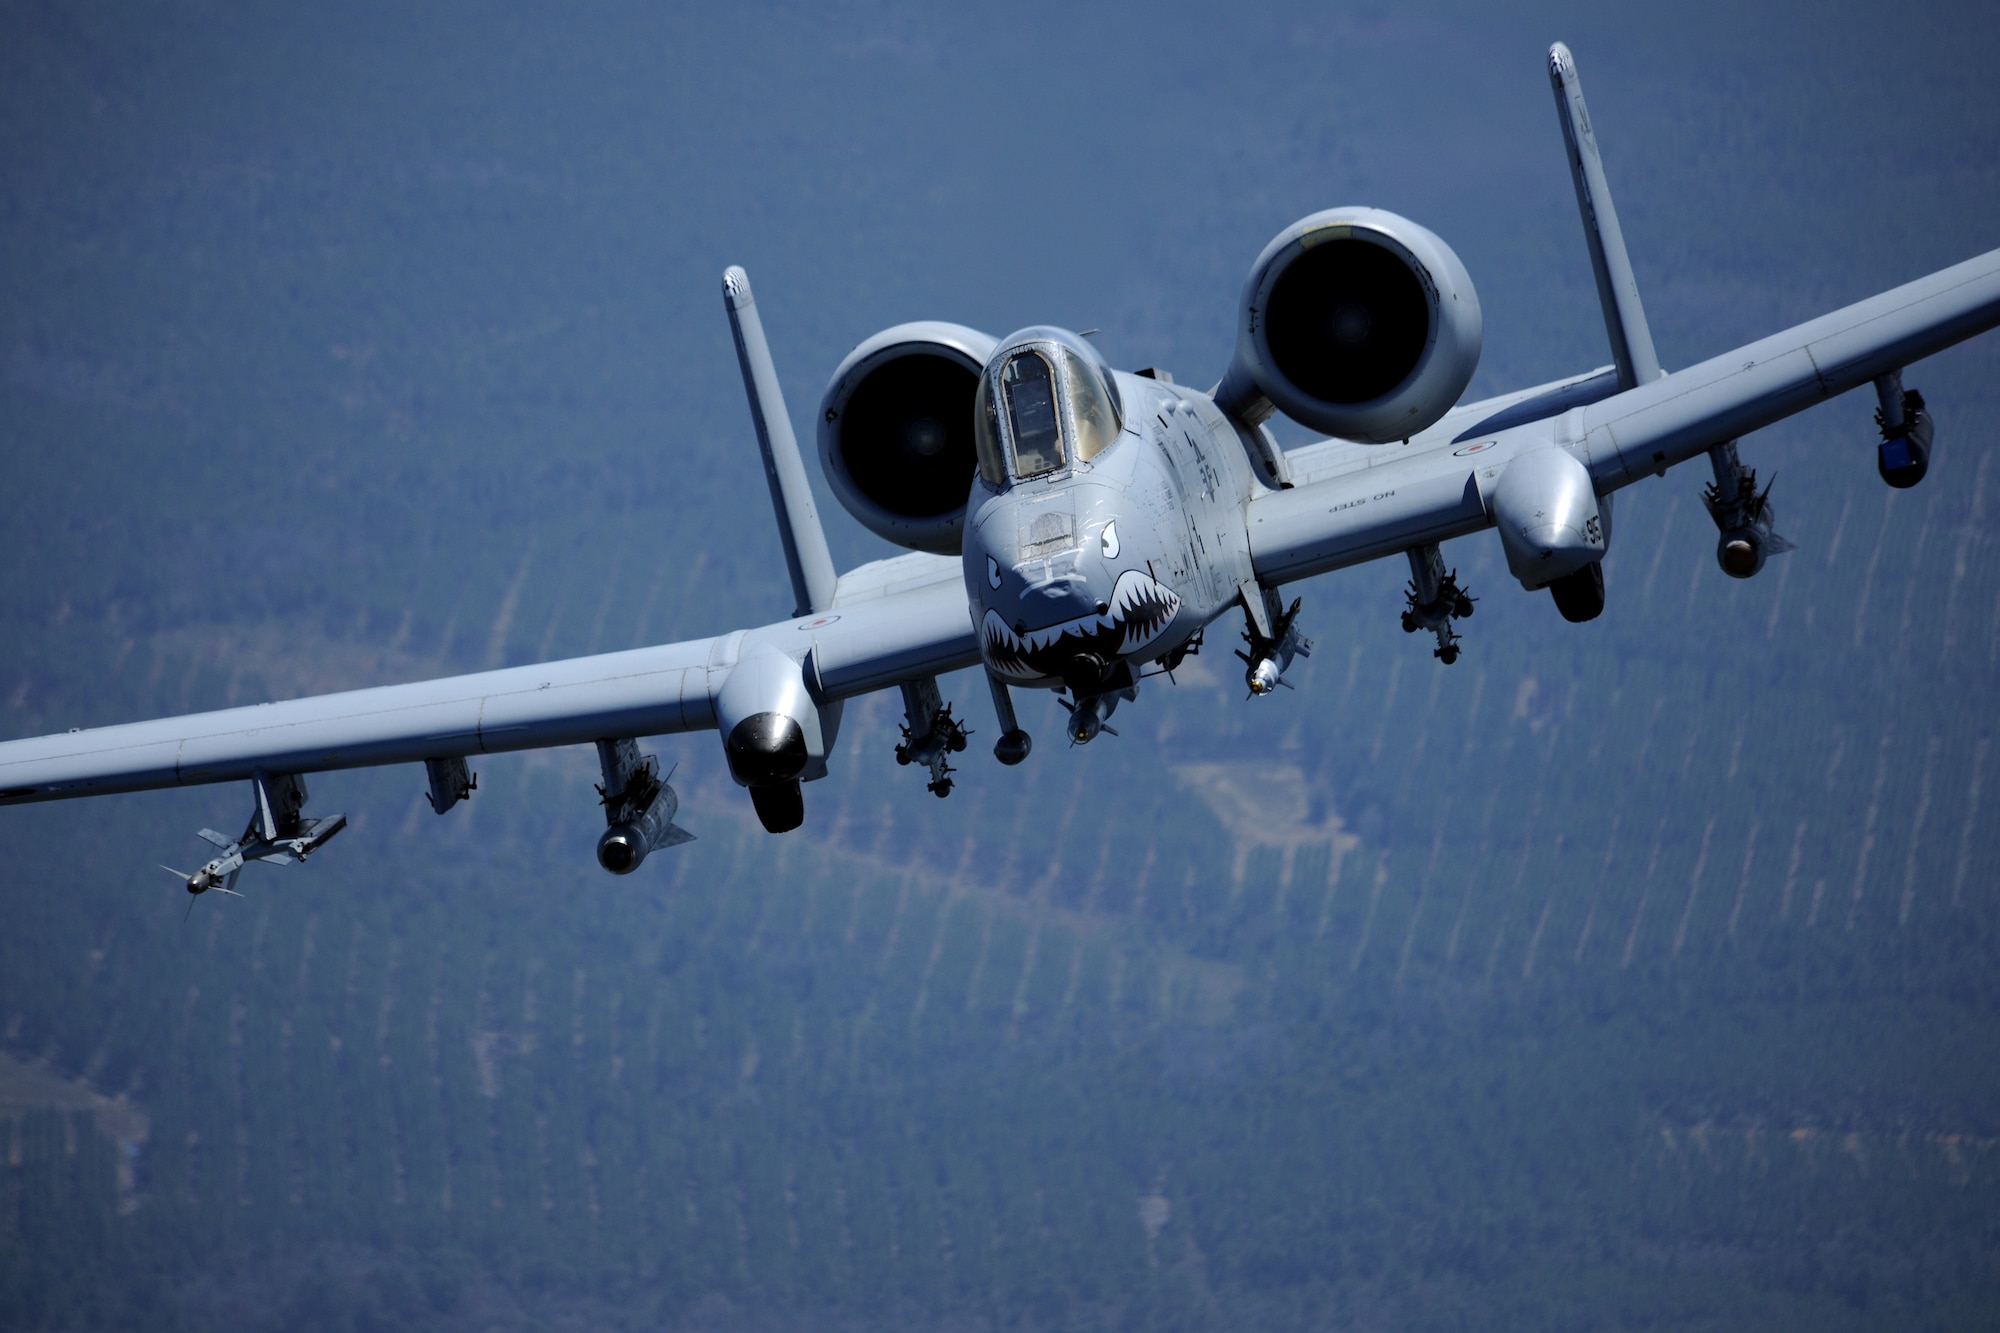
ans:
x=1098 y=543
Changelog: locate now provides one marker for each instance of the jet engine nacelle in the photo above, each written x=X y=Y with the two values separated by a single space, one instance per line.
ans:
x=895 y=432
x=1355 y=322
x=773 y=735
x=1550 y=520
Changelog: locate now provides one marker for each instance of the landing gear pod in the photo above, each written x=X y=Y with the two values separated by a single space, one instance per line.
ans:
x=773 y=735
x=1550 y=522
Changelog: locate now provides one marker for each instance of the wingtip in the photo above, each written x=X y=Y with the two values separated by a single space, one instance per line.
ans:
x=1562 y=65
x=736 y=287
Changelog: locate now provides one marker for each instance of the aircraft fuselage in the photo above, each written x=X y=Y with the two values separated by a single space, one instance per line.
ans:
x=1079 y=577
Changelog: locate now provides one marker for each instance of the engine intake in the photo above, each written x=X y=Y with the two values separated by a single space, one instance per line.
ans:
x=895 y=432
x=1355 y=322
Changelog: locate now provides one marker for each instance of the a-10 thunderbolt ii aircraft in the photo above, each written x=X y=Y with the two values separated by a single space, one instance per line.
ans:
x=1076 y=528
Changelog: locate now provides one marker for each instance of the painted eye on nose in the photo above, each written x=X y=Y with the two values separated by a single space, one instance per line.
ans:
x=992 y=572
x=1111 y=541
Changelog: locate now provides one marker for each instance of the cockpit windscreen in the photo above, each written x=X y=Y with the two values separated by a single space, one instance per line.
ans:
x=1029 y=383
x=986 y=435
x=1096 y=415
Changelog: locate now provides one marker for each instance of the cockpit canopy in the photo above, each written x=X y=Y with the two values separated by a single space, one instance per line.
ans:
x=1045 y=402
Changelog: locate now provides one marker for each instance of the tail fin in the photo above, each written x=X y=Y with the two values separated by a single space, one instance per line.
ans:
x=806 y=556
x=1617 y=289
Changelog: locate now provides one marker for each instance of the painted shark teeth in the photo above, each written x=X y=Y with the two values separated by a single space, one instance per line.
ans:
x=1140 y=610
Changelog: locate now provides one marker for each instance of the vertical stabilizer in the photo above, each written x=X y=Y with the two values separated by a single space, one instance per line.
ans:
x=806 y=556
x=1617 y=290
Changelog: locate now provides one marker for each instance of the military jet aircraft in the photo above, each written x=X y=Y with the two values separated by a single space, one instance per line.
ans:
x=1077 y=528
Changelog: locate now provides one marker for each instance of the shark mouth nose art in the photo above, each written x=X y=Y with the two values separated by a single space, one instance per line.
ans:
x=1140 y=609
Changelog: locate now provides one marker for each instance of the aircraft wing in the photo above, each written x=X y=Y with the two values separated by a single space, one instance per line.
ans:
x=1383 y=500
x=900 y=620
x=1652 y=427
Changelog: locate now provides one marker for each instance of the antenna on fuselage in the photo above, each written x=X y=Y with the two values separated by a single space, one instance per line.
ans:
x=806 y=554
x=1617 y=290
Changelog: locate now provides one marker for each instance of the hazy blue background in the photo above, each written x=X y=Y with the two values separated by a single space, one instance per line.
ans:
x=1633 y=974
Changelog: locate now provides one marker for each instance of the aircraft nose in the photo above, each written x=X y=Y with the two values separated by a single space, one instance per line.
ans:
x=1059 y=598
